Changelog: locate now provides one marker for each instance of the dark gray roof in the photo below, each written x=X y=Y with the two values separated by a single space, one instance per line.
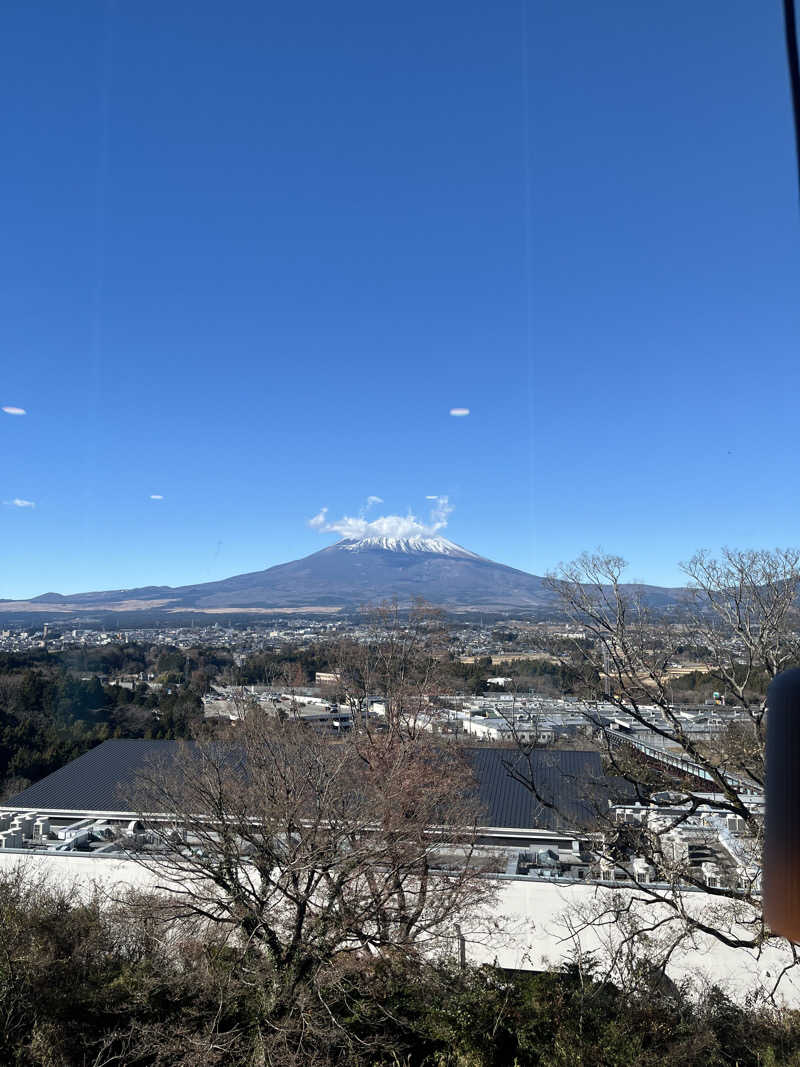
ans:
x=573 y=782
x=103 y=779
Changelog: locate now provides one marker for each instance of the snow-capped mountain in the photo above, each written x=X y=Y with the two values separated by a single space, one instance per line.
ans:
x=354 y=572
x=438 y=546
x=342 y=577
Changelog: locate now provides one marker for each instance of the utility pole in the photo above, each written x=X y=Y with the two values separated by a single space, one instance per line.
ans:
x=462 y=948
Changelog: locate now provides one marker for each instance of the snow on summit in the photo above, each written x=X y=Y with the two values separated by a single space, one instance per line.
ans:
x=432 y=545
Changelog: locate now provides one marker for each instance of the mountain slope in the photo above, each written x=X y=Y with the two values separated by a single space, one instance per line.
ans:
x=351 y=573
x=345 y=576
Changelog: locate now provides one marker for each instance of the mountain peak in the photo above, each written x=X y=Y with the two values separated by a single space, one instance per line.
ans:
x=415 y=545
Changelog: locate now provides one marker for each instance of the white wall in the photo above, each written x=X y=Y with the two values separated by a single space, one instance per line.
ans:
x=534 y=931
x=527 y=928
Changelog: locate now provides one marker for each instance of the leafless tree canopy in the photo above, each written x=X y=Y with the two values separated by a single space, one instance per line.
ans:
x=400 y=661
x=740 y=620
x=313 y=851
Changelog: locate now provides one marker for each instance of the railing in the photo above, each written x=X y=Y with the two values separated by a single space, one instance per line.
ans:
x=681 y=763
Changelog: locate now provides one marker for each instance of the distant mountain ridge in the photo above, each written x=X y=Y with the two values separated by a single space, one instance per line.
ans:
x=343 y=577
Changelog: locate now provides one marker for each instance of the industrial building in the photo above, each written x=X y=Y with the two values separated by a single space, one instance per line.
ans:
x=89 y=804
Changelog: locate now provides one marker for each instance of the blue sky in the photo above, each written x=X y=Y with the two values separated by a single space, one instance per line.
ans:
x=254 y=253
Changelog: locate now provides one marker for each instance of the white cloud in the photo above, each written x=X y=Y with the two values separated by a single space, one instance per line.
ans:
x=11 y=410
x=441 y=512
x=370 y=502
x=459 y=411
x=357 y=526
x=17 y=502
x=156 y=496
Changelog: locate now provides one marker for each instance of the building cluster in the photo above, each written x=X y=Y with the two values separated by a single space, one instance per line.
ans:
x=504 y=718
x=713 y=848
x=76 y=825
x=716 y=849
x=468 y=639
x=83 y=808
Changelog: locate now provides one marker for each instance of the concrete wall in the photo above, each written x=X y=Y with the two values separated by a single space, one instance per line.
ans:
x=532 y=925
x=539 y=924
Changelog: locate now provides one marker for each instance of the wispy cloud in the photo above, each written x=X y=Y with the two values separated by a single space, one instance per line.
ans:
x=319 y=520
x=11 y=410
x=369 y=503
x=459 y=412
x=410 y=525
x=18 y=502
x=156 y=496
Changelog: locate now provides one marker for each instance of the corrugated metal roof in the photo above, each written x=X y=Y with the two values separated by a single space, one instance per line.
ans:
x=103 y=779
x=572 y=781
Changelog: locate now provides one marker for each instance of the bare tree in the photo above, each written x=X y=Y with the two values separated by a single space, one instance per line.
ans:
x=353 y=684
x=399 y=661
x=313 y=853
x=739 y=619
x=746 y=622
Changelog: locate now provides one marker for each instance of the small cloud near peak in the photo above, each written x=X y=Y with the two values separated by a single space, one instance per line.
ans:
x=156 y=496
x=358 y=526
x=459 y=412
x=18 y=502
x=11 y=410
